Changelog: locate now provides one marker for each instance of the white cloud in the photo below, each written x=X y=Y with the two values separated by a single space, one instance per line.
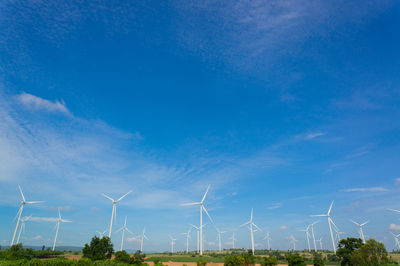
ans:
x=36 y=103
x=314 y=135
x=132 y=239
x=43 y=219
x=283 y=227
x=397 y=181
x=365 y=189
x=275 y=206
x=395 y=227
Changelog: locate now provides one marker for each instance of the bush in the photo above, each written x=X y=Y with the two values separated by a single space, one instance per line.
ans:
x=370 y=253
x=122 y=256
x=99 y=249
x=201 y=262
x=295 y=260
x=234 y=260
x=16 y=252
x=269 y=261
x=317 y=260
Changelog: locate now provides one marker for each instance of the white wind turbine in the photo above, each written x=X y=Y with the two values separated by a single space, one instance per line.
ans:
x=251 y=224
x=114 y=210
x=123 y=228
x=396 y=239
x=172 y=243
x=307 y=236
x=330 y=222
x=233 y=239
x=23 y=202
x=338 y=233
x=293 y=240
x=268 y=238
x=187 y=234
x=219 y=238
x=22 y=227
x=59 y=220
x=143 y=236
x=313 y=236
x=201 y=217
x=320 y=243
x=360 y=230
x=101 y=234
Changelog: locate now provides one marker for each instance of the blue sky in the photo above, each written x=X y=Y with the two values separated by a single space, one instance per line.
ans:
x=282 y=106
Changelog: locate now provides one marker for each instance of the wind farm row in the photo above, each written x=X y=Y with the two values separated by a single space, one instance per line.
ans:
x=310 y=235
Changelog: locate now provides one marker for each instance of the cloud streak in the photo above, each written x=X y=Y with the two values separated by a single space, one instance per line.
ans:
x=365 y=189
x=36 y=103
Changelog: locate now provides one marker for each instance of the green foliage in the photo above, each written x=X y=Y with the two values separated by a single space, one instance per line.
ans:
x=269 y=261
x=370 y=254
x=122 y=256
x=139 y=257
x=295 y=260
x=318 y=260
x=99 y=249
x=201 y=262
x=346 y=248
x=16 y=252
x=234 y=260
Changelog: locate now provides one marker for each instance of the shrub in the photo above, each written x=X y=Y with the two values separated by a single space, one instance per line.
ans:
x=122 y=256
x=317 y=260
x=234 y=260
x=269 y=261
x=371 y=253
x=201 y=262
x=16 y=252
x=295 y=260
x=99 y=249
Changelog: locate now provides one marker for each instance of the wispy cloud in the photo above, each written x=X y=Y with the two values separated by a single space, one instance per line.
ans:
x=43 y=219
x=395 y=227
x=283 y=227
x=314 y=135
x=36 y=103
x=275 y=206
x=365 y=189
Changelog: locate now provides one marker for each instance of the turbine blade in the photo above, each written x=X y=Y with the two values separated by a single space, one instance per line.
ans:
x=59 y=214
x=66 y=221
x=108 y=197
x=354 y=223
x=205 y=194
x=129 y=230
x=364 y=223
x=22 y=194
x=330 y=208
x=119 y=230
x=251 y=215
x=194 y=203
x=319 y=215
x=393 y=210
x=257 y=227
x=207 y=214
x=195 y=226
x=245 y=224
x=145 y=237
x=124 y=196
x=34 y=202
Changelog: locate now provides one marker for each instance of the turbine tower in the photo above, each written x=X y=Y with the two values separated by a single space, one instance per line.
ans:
x=313 y=236
x=187 y=234
x=320 y=243
x=360 y=230
x=22 y=227
x=251 y=224
x=172 y=243
x=143 y=236
x=114 y=210
x=293 y=240
x=21 y=208
x=201 y=217
x=307 y=235
x=330 y=225
x=268 y=238
x=233 y=239
x=219 y=238
x=59 y=220
x=123 y=228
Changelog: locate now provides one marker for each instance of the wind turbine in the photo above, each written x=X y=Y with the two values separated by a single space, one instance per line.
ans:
x=59 y=220
x=313 y=236
x=320 y=243
x=187 y=234
x=360 y=229
x=143 y=236
x=123 y=228
x=101 y=233
x=251 y=224
x=23 y=202
x=268 y=239
x=114 y=210
x=201 y=217
x=307 y=235
x=396 y=239
x=293 y=240
x=22 y=227
x=172 y=243
x=219 y=238
x=330 y=225
x=233 y=239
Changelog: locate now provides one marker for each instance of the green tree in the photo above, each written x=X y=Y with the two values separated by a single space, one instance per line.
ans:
x=99 y=249
x=201 y=262
x=16 y=252
x=318 y=260
x=346 y=248
x=234 y=260
x=295 y=260
x=269 y=261
x=370 y=254
x=122 y=256
x=139 y=257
